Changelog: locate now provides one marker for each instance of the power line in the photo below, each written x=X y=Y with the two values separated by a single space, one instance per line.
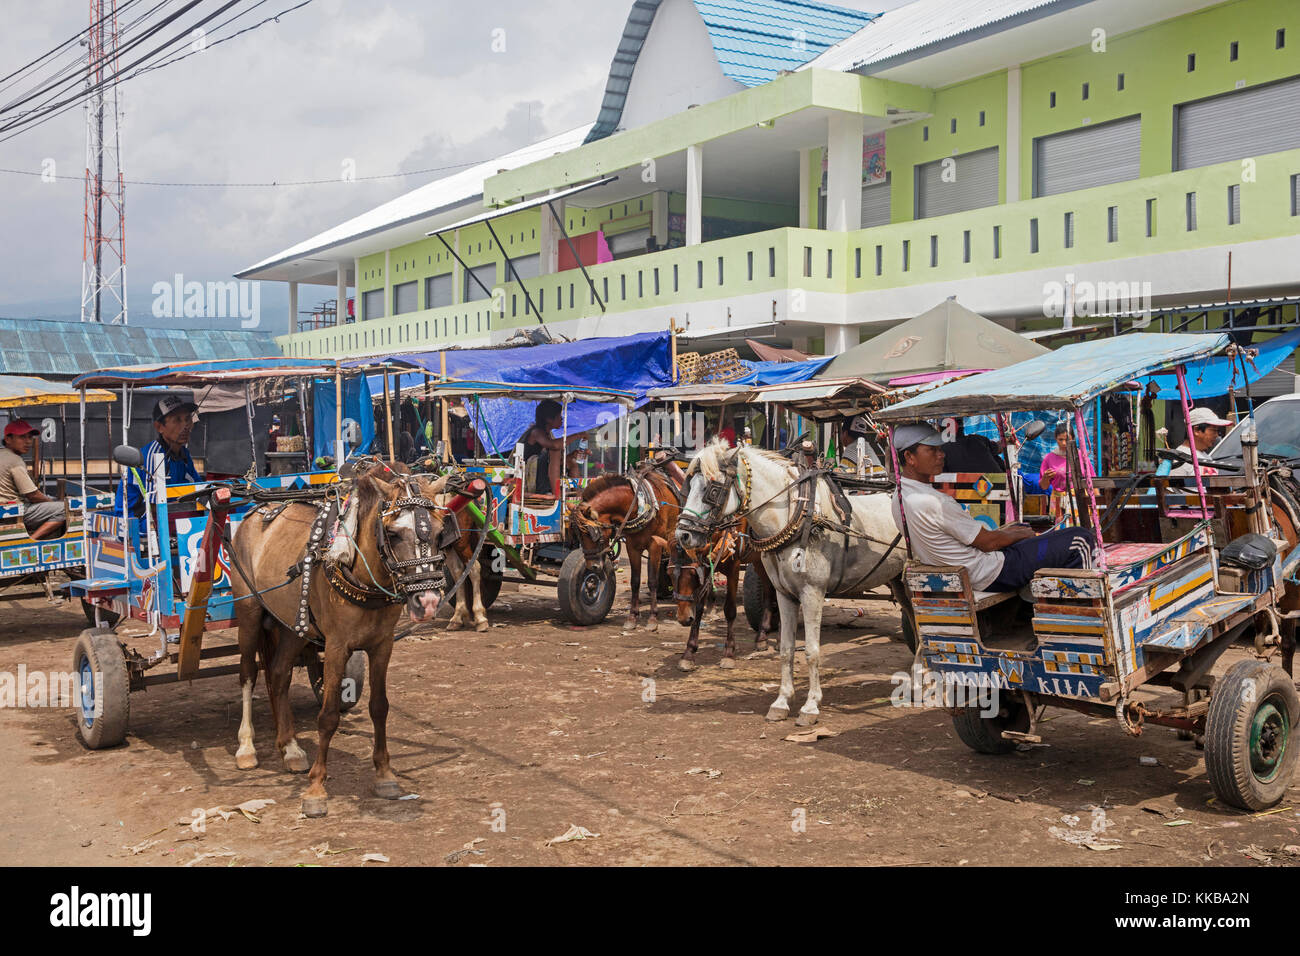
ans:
x=49 y=112
x=71 y=40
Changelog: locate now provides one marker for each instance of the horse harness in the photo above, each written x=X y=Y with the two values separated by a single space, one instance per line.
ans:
x=804 y=522
x=641 y=513
x=423 y=572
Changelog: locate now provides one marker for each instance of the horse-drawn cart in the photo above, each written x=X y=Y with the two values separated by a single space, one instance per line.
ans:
x=529 y=535
x=166 y=564
x=1180 y=571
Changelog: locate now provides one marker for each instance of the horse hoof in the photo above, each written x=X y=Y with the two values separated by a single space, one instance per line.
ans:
x=775 y=714
x=652 y=624
x=482 y=626
x=314 y=807
x=295 y=761
x=727 y=663
x=685 y=665
x=388 y=789
x=629 y=624
x=806 y=720
x=246 y=759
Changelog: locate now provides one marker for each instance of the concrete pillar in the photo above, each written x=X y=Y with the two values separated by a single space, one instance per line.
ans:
x=356 y=285
x=805 y=200
x=844 y=172
x=341 y=292
x=548 y=236
x=694 y=195
x=457 y=280
x=293 y=307
x=1012 y=159
x=388 y=282
x=659 y=218
x=839 y=338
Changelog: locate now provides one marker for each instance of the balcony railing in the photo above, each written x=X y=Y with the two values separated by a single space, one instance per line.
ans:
x=1192 y=209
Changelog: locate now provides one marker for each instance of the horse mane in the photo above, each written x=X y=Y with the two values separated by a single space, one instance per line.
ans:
x=603 y=483
x=708 y=460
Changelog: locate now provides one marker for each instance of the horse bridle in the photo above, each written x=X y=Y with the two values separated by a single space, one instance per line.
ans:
x=715 y=495
x=424 y=571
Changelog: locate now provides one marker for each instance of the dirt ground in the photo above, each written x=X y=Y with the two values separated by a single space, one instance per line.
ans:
x=507 y=739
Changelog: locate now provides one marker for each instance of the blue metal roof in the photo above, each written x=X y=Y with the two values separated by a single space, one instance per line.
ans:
x=754 y=41
x=1067 y=378
x=65 y=349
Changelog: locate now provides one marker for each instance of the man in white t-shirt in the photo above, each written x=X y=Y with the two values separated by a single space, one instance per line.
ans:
x=942 y=532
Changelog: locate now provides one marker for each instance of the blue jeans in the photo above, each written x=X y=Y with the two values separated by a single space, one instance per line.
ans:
x=1066 y=548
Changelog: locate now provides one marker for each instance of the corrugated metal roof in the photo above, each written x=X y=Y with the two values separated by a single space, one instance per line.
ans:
x=754 y=41
x=65 y=349
x=910 y=30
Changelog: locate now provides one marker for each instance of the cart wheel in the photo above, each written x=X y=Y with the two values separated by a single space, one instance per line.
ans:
x=984 y=734
x=1248 y=752
x=751 y=595
x=105 y=693
x=355 y=671
x=586 y=593
x=491 y=580
x=108 y=617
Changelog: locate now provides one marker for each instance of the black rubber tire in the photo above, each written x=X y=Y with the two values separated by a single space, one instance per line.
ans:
x=909 y=630
x=1249 y=754
x=751 y=596
x=105 y=686
x=586 y=594
x=984 y=734
x=355 y=671
x=108 y=617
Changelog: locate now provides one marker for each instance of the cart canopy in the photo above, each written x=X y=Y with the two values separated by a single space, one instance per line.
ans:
x=20 y=391
x=1068 y=378
x=199 y=374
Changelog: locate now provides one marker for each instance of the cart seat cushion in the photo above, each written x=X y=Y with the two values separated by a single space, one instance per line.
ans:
x=1127 y=564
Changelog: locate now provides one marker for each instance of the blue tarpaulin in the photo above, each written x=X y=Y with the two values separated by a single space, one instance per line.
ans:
x=633 y=363
x=356 y=406
x=782 y=373
x=1212 y=377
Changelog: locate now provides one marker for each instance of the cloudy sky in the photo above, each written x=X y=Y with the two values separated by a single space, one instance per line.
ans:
x=389 y=85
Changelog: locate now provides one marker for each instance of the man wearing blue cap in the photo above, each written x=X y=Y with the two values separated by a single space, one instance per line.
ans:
x=942 y=532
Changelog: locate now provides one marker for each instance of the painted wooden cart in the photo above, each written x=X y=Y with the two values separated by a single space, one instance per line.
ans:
x=1184 y=569
x=528 y=533
x=166 y=565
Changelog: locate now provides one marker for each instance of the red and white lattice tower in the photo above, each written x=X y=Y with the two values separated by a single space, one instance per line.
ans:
x=103 y=249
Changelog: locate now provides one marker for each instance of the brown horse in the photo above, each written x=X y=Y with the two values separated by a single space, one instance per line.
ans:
x=608 y=510
x=727 y=551
x=383 y=557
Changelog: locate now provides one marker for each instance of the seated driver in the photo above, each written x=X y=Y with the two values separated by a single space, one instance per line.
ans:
x=173 y=420
x=1207 y=429
x=44 y=516
x=941 y=532
x=539 y=443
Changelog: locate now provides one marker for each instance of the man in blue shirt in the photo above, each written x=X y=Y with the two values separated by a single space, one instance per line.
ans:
x=173 y=419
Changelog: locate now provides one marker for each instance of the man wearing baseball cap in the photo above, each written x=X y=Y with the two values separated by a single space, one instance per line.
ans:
x=942 y=532
x=1206 y=428
x=173 y=420
x=44 y=516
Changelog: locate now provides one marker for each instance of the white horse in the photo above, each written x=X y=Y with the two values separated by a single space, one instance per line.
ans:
x=763 y=486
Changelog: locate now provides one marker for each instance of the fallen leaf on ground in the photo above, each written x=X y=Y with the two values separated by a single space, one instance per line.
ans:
x=573 y=834
x=323 y=850
x=375 y=858
x=812 y=736
x=704 y=770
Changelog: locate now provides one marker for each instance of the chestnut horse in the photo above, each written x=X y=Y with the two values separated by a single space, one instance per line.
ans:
x=608 y=510
x=727 y=552
x=382 y=557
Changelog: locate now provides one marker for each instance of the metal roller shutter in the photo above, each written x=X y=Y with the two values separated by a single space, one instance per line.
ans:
x=1239 y=124
x=487 y=275
x=974 y=184
x=1087 y=157
x=438 y=291
x=875 y=203
x=405 y=298
x=372 y=304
